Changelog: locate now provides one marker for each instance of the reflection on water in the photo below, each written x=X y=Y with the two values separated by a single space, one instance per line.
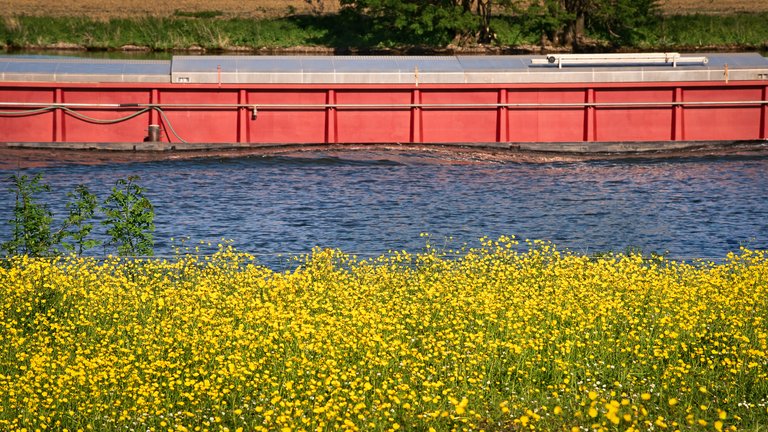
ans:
x=371 y=202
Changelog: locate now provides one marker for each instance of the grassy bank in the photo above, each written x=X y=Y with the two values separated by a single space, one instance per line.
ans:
x=493 y=339
x=158 y=34
x=702 y=31
x=208 y=31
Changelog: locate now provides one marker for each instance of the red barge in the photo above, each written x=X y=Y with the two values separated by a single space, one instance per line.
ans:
x=556 y=103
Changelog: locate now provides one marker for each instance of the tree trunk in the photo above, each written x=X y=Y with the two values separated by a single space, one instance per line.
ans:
x=574 y=30
x=578 y=28
x=484 y=11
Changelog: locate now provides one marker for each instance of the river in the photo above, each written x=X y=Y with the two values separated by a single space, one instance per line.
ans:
x=371 y=202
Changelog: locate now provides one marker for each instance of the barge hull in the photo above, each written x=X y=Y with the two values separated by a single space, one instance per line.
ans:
x=326 y=101
x=394 y=114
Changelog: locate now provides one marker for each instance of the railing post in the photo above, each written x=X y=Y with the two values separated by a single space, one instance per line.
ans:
x=330 y=117
x=589 y=115
x=764 y=115
x=154 y=116
x=242 y=117
x=58 y=116
x=154 y=99
x=502 y=124
x=416 y=130
x=677 y=115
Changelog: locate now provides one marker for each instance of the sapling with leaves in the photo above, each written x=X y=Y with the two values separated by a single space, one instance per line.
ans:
x=129 y=218
x=78 y=225
x=31 y=224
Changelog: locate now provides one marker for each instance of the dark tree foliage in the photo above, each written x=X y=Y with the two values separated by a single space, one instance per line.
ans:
x=547 y=18
x=619 y=20
x=440 y=22
x=565 y=22
x=426 y=22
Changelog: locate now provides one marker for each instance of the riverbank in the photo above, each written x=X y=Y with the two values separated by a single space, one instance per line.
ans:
x=332 y=34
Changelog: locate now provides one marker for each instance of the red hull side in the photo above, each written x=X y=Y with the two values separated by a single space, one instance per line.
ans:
x=429 y=113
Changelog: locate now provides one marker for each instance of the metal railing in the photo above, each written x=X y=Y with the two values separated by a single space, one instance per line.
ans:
x=31 y=108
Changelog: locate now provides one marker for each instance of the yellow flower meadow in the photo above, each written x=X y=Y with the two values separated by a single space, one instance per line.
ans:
x=492 y=338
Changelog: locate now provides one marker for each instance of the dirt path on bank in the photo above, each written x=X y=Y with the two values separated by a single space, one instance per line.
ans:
x=105 y=9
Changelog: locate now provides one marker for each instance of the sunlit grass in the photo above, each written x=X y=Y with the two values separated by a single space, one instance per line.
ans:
x=711 y=30
x=494 y=338
x=158 y=34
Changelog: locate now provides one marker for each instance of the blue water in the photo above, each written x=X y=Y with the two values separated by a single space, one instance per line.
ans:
x=369 y=203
